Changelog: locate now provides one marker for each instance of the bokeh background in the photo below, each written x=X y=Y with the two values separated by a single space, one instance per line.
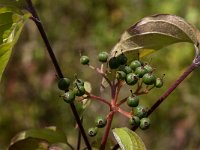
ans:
x=29 y=97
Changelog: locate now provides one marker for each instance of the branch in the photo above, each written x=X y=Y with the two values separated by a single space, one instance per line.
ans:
x=38 y=23
x=89 y=95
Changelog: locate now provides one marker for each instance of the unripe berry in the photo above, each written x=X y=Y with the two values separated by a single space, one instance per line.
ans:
x=149 y=79
x=134 y=121
x=113 y=63
x=69 y=97
x=125 y=69
x=122 y=59
x=92 y=131
x=148 y=68
x=159 y=83
x=103 y=56
x=145 y=123
x=135 y=64
x=84 y=60
x=131 y=79
x=63 y=83
x=79 y=90
x=133 y=101
x=121 y=75
x=140 y=111
x=140 y=71
x=100 y=122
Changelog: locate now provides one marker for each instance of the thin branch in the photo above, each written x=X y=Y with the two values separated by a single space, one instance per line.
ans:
x=122 y=101
x=100 y=71
x=91 y=96
x=125 y=113
x=38 y=23
x=107 y=130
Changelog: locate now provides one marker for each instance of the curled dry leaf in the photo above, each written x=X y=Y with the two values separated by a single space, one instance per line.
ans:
x=153 y=33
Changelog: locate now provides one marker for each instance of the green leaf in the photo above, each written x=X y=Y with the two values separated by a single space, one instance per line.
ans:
x=153 y=33
x=12 y=21
x=128 y=139
x=30 y=144
x=50 y=135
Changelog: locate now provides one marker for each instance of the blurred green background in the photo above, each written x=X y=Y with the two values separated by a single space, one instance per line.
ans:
x=29 y=97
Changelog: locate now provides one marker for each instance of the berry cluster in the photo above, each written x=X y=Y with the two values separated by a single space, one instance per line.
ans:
x=77 y=89
x=100 y=122
x=135 y=73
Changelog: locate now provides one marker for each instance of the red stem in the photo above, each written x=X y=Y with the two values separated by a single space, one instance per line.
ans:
x=107 y=130
x=125 y=113
x=98 y=98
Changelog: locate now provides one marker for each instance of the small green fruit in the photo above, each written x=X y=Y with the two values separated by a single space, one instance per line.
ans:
x=69 y=97
x=140 y=71
x=159 y=83
x=113 y=63
x=100 y=122
x=79 y=90
x=145 y=123
x=92 y=131
x=135 y=64
x=134 y=121
x=125 y=69
x=63 y=83
x=148 y=68
x=131 y=79
x=121 y=75
x=133 y=101
x=149 y=79
x=140 y=111
x=84 y=60
x=103 y=56
x=122 y=59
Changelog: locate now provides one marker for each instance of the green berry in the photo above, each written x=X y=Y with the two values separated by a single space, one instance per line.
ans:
x=122 y=59
x=79 y=90
x=126 y=69
x=78 y=82
x=131 y=79
x=103 y=56
x=69 y=97
x=134 y=121
x=113 y=63
x=140 y=71
x=92 y=131
x=135 y=64
x=100 y=122
x=133 y=101
x=149 y=79
x=84 y=60
x=63 y=83
x=148 y=68
x=145 y=123
x=140 y=111
x=121 y=75
x=159 y=83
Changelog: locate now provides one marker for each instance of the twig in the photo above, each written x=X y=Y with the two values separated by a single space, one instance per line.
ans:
x=107 y=130
x=91 y=96
x=127 y=114
x=38 y=23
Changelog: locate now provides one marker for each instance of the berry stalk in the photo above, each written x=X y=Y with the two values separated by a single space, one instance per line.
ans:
x=40 y=27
